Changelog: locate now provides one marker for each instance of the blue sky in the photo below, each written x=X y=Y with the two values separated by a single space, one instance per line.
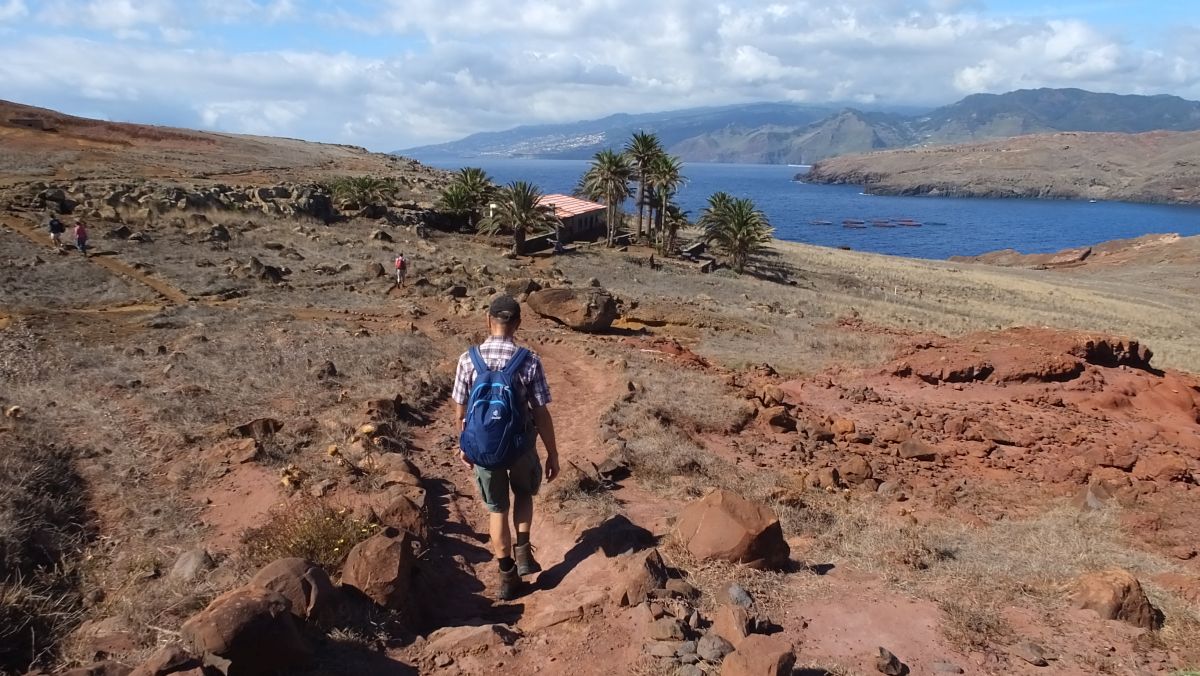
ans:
x=390 y=74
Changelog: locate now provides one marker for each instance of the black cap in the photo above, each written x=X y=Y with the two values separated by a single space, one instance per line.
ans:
x=505 y=308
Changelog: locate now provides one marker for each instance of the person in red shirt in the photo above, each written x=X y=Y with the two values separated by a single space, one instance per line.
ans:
x=401 y=269
x=81 y=237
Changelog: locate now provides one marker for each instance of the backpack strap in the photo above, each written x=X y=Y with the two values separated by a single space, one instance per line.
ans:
x=477 y=359
x=518 y=358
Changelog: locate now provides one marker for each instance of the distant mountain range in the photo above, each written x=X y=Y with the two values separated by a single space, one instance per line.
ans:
x=784 y=133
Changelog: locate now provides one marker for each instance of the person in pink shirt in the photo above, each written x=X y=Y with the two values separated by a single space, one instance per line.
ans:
x=81 y=237
x=401 y=269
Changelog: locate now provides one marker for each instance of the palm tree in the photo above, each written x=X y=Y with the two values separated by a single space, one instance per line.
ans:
x=735 y=227
x=357 y=192
x=457 y=201
x=607 y=180
x=642 y=148
x=665 y=176
x=519 y=210
x=479 y=188
x=672 y=222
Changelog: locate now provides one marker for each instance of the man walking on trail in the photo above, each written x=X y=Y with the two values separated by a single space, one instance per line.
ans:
x=401 y=269
x=56 y=232
x=504 y=459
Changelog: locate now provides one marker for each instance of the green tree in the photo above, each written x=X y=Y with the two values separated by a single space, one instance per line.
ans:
x=642 y=148
x=736 y=228
x=665 y=176
x=672 y=222
x=476 y=187
x=357 y=192
x=607 y=180
x=457 y=201
x=519 y=210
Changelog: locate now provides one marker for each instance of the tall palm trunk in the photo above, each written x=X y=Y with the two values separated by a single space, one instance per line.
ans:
x=641 y=199
x=518 y=241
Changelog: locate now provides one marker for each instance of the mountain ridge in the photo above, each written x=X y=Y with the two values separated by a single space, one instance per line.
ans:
x=784 y=133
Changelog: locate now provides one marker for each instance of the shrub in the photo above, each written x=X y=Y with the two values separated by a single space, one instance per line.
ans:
x=309 y=529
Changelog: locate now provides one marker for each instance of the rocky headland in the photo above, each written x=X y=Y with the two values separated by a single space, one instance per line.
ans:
x=1158 y=167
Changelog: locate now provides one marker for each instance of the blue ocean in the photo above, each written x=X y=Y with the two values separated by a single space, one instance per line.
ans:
x=921 y=227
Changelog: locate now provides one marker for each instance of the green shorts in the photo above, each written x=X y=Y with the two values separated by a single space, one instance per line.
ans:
x=523 y=478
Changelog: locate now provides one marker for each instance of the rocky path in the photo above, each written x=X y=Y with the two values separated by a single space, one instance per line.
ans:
x=113 y=265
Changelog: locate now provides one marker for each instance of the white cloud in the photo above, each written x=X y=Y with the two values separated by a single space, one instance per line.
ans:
x=12 y=9
x=437 y=70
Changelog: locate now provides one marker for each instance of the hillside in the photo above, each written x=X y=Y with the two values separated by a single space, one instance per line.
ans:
x=51 y=145
x=227 y=443
x=793 y=134
x=581 y=140
x=1148 y=167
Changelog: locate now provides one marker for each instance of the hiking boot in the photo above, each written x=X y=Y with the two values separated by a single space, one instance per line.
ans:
x=510 y=583
x=526 y=564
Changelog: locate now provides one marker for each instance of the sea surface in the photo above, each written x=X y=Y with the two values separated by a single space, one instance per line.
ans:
x=948 y=225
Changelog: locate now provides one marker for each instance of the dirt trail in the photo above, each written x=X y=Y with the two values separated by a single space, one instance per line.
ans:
x=109 y=263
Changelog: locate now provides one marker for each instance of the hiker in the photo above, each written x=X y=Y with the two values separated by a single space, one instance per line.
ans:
x=56 y=232
x=501 y=397
x=401 y=269
x=81 y=237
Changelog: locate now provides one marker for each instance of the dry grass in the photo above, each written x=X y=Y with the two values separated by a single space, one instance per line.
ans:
x=44 y=526
x=789 y=326
x=308 y=529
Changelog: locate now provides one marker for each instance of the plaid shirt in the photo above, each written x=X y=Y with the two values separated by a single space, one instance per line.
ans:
x=496 y=352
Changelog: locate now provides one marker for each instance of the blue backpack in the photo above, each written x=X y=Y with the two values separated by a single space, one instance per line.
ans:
x=496 y=433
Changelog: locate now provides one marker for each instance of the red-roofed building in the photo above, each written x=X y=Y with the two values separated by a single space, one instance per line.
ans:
x=581 y=219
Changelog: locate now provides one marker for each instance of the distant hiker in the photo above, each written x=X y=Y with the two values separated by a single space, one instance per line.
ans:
x=81 y=237
x=401 y=269
x=501 y=398
x=56 y=231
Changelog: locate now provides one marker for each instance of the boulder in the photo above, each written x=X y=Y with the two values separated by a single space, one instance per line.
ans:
x=725 y=526
x=399 y=511
x=470 y=639
x=1161 y=467
x=381 y=568
x=915 y=449
x=644 y=573
x=304 y=584
x=259 y=428
x=98 y=669
x=1116 y=595
x=760 y=655
x=855 y=470
x=248 y=631
x=171 y=659
x=778 y=418
x=587 y=310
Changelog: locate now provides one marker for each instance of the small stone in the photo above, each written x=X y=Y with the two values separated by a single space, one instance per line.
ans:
x=190 y=565
x=739 y=595
x=889 y=664
x=666 y=629
x=662 y=648
x=713 y=648
x=686 y=648
x=1030 y=652
x=442 y=661
x=946 y=668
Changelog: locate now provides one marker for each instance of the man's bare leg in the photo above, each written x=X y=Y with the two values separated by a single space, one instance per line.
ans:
x=501 y=535
x=522 y=522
